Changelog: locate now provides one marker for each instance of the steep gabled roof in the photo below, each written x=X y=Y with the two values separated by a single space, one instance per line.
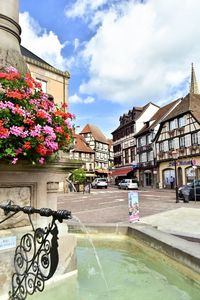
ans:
x=157 y=117
x=140 y=111
x=96 y=133
x=190 y=103
x=81 y=144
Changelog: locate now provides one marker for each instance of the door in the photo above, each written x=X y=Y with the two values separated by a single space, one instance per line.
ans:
x=147 y=178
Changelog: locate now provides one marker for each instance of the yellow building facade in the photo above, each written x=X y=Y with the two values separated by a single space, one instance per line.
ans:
x=54 y=82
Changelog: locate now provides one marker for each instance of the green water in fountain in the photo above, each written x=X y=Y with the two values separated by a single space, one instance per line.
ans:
x=130 y=270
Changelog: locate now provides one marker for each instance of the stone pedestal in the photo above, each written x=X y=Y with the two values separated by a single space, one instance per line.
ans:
x=38 y=186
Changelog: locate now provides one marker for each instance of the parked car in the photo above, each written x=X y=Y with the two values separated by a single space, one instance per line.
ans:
x=128 y=184
x=190 y=191
x=99 y=183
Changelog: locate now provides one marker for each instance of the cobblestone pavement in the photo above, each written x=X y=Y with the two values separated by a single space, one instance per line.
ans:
x=111 y=205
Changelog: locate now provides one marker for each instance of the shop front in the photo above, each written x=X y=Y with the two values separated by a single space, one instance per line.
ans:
x=186 y=171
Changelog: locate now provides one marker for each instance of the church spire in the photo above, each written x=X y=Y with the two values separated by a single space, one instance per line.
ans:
x=193 y=84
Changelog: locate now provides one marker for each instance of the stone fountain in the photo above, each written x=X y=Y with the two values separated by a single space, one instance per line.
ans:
x=24 y=184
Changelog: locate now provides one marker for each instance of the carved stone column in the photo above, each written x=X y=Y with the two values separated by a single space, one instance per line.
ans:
x=10 y=54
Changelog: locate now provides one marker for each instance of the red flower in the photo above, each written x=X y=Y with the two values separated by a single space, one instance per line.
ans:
x=41 y=114
x=27 y=145
x=4 y=132
x=59 y=129
x=41 y=149
x=28 y=121
x=40 y=138
x=29 y=81
x=15 y=94
x=67 y=136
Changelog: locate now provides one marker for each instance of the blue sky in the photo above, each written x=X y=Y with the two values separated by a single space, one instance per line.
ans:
x=120 y=53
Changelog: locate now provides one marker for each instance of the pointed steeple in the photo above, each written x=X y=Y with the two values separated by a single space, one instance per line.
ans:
x=193 y=84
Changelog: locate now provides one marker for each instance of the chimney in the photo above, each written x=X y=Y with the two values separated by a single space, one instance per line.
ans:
x=10 y=53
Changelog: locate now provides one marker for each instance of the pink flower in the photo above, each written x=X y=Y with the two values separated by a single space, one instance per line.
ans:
x=51 y=145
x=41 y=160
x=36 y=131
x=18 y=131
x=14 y=160
x=30 y=124
x=11 y=69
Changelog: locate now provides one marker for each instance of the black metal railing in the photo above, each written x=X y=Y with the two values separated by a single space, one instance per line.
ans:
x=36 y=257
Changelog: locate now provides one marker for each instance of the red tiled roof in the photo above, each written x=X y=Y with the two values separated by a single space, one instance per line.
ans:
x=96 y=133
x=81 y=144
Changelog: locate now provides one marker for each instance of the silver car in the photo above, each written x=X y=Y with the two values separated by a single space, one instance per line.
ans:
x=128 y=184
x=99 y=183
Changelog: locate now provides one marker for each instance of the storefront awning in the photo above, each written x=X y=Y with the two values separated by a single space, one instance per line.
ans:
x=121 y=171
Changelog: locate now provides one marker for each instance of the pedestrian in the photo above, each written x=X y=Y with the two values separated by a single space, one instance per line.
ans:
x=172 y=182
x=86 y=187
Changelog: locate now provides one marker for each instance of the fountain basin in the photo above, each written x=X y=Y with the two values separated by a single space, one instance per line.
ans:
x=138 y=262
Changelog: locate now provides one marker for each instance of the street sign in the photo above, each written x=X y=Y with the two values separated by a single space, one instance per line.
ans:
x=133 y=207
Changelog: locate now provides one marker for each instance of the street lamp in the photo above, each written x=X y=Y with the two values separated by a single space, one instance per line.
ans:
x=175 y=156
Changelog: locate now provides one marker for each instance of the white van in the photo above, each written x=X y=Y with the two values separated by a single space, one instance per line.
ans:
x=128 y=184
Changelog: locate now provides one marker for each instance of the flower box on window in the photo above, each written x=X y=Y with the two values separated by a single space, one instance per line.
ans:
x=171 y=132
x=180 y=129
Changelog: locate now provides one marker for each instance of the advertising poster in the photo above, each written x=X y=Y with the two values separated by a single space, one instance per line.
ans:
x=133 y=207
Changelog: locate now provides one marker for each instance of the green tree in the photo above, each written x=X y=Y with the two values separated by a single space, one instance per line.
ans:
x=78 y=176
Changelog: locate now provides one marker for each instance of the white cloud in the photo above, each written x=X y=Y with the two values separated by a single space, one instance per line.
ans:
x=83 y=7
x=44 y=44
x=141 y=51
x=77 y=99
x=76 y=44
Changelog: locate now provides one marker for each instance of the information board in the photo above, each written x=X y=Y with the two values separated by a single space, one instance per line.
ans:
x=7 y=242
x=133 y=207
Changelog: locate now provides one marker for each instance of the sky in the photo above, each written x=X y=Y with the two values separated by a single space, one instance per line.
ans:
x=120 y=53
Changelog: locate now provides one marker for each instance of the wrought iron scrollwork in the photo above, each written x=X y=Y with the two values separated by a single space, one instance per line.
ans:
x=36 y=257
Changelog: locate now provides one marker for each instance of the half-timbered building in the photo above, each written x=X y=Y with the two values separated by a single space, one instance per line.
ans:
x=145 y=150
x=178 y=140
x=124 y=143
x=100 y=144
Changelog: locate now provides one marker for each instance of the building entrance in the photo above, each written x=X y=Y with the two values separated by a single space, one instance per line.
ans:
x=147 y=178
x=167 y=174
